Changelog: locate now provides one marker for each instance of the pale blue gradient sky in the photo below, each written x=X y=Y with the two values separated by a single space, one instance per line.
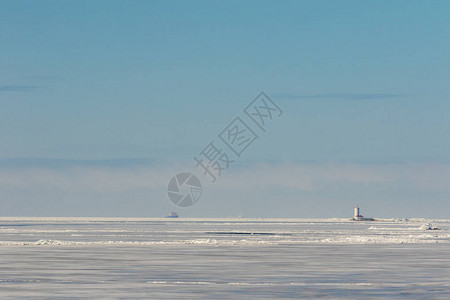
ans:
x=361 y=82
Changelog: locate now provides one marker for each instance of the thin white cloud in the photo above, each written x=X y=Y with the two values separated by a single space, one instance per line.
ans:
x=320 y=176
x=17 y=88
x=340 y=96
x=98 y=179
x=277 y=189
x=278 y=175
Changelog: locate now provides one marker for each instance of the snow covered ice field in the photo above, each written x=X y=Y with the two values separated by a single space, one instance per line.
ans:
x=107 y=258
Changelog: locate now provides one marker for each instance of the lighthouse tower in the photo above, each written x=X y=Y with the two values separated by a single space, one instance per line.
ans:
x=356 y=214
x=359 y=217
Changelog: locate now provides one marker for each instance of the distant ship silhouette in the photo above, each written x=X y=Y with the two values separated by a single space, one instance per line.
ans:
x=173 y=214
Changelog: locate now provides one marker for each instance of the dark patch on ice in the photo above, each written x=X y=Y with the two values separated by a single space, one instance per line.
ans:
x=245 y=233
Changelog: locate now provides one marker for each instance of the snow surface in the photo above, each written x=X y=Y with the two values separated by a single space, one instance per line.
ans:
x=143 y=258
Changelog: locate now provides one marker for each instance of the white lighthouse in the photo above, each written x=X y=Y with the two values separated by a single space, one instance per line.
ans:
x=358 y=217
x=356 y=214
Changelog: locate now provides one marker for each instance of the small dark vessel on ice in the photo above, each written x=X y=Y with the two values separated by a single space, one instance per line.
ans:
x=172 y=215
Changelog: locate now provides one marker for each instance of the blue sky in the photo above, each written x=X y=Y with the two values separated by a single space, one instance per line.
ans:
x=120 y=85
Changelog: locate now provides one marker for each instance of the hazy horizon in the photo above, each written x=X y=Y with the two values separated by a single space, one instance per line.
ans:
x=137 y=188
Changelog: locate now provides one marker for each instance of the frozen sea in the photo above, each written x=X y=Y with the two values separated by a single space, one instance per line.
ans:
x=131 y=258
